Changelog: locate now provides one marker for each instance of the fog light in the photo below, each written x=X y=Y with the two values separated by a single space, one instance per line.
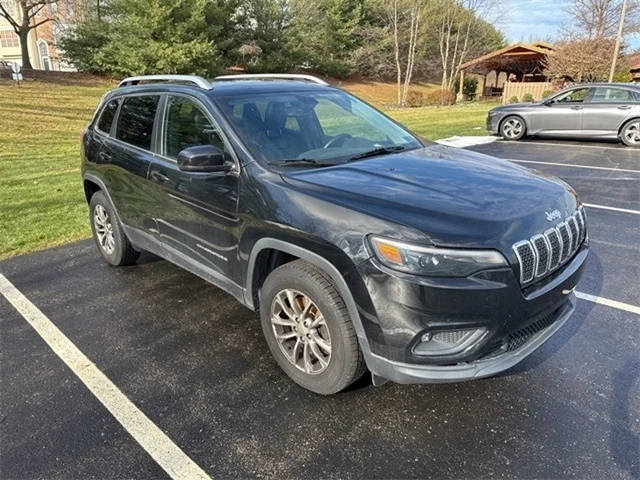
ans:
x=448 y=342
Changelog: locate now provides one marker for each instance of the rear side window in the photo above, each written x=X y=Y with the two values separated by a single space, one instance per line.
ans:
x=615 y=95
x=135 y=121
x=107 y=115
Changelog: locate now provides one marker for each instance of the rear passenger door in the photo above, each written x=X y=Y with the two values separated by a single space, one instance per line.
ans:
x=607 y=110
x=126 y=155
x=196 y=212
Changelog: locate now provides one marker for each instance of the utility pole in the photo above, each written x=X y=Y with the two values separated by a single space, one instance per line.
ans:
x=616 y=50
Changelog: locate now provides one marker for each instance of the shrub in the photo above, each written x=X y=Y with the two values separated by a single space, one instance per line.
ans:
x=513 y=99
x=469 y=88
x=527 y=97
x=548 y=93
x=440 y=97
x=415 y=99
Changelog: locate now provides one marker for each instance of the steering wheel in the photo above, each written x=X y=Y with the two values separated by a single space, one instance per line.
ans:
x=336 y=139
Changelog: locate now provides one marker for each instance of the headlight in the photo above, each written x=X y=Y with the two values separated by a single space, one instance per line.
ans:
x=432 y=261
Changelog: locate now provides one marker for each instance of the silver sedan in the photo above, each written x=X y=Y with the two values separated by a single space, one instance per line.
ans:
x=608 y=110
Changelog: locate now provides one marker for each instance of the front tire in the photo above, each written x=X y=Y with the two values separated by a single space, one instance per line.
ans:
x=513 y=128
x=108 y=234
x=630 y=133
x=308 y=330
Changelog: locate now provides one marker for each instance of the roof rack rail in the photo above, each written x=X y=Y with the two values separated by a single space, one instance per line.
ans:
x=273 y=76
x=191 y=79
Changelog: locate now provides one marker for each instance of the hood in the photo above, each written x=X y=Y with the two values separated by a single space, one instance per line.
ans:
x=455 y=197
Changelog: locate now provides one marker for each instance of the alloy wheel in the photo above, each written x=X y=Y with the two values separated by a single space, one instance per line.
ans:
x=632 y=133
x=512 y=128
x=104 y=229
x=301 y=331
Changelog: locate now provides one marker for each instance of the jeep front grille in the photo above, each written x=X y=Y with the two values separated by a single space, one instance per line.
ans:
x=544 y=253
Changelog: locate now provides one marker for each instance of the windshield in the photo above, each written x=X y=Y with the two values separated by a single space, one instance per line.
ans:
x=319 y=127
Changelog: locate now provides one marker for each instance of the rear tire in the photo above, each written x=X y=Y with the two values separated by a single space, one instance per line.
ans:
x=513 y=128
x=307 y=327
x=108 y=234
x=630 y=133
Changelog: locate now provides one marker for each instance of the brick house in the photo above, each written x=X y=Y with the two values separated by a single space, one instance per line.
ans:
x=43 y=53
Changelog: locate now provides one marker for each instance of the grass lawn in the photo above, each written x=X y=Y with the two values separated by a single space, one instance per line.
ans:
x=41 y=199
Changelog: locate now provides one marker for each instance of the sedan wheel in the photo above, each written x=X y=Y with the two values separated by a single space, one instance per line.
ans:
x=512 y=128
x=631 y=134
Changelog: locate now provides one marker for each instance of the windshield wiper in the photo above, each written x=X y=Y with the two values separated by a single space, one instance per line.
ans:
x=294 y=162
x=378 y=151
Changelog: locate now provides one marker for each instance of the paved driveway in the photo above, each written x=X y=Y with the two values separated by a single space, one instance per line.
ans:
x=194 y=363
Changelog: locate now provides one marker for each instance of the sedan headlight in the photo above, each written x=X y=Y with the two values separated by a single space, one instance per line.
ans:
x=433 y=261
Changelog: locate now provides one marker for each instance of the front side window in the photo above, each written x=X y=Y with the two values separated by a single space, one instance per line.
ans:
x=135 y=121
x=614 y=95
x=107 y=115
x=319 y=126
x=574 y=96
x=187 y=126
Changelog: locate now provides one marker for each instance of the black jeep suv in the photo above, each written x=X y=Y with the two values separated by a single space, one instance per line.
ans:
x=361 y=245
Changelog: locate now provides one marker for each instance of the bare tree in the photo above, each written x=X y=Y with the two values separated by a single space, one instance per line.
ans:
x=455 y=36
x=580 y=61
x=600 y=18
x=399 y=12
x=25 y=18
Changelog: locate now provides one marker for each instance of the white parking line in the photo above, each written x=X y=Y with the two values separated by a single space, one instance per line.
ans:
x=166 y=453
x=613 y=209
x=609 y=303
x=574 y=165
x=542 y=144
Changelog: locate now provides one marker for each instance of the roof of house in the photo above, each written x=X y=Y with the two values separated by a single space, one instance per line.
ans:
x=635 y=62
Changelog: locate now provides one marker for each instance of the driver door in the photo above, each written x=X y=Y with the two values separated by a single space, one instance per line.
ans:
x=565 y=114
x=196 y=212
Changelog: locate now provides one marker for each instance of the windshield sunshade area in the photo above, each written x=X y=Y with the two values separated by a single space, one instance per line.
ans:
x=312 y=128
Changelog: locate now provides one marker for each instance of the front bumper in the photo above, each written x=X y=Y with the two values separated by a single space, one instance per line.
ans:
x=485 y=367
x=493 y=122
x=403 y=309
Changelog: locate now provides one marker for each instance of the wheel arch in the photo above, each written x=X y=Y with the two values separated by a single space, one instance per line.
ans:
x=626 y=122
x=288 y=251
x=93 y=184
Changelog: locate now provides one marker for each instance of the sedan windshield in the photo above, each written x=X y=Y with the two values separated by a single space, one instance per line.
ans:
x=313 y=128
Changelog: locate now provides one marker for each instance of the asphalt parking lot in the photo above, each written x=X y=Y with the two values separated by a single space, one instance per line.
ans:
x=194 y=362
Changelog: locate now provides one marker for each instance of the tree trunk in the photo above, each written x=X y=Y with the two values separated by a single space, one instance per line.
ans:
x=24 y=47
x=397 y=51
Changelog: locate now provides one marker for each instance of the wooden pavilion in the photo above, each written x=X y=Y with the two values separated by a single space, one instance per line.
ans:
x=501 y=72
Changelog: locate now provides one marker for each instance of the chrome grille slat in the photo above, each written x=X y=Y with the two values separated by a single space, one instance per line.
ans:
x=565 y=237
x=581 y=224
x=543 y=253
x=573 y=228
x=527 y=259
x=553 y=239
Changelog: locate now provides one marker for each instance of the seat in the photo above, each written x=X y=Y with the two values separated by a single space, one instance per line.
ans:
x=285 y=142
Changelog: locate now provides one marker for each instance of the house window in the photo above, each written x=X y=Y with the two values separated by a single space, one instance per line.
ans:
x=9 y=39
x=43 y=50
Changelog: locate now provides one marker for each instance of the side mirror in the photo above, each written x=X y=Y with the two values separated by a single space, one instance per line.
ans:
x=203 y=158
x=548 y=102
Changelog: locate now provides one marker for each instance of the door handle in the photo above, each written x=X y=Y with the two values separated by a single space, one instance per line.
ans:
x=577 y=107
x=159 y=177
x=624 y=107
x=104 y=157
